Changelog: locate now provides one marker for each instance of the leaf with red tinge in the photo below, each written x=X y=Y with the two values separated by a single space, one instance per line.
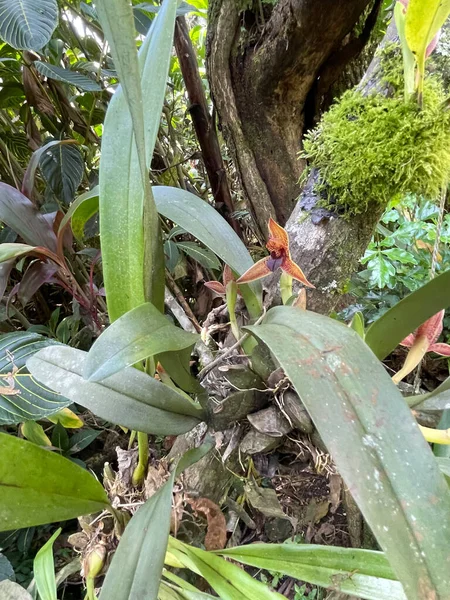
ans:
x=35 y=276
x=19 y=213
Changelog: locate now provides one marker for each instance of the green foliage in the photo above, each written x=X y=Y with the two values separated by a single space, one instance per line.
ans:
x=370 y=149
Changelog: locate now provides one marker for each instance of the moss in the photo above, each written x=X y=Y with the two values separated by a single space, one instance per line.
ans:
x=368 y=149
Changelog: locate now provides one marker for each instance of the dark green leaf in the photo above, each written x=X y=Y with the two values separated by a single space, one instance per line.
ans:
x=27 y=24
x=363 y=573
x=81 y=440
x=184 y=208
x=62 y=167
x=202 y=255
x=129 y=398
x=374 y=441
x=60 y=438
x=34 y=401
x=37 y=486
x=406 y=316
x=172 y=255
x=67 y=76
x=136 y=335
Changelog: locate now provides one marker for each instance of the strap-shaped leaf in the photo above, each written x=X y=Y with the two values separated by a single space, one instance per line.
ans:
x=34 y=401
x=136 y=335
x=44 y=569
x=38 y=486
x=363 y=573
x=136 y=567
x=67 y=76
x=129 y=398
x=28 y=24
x=202 y=255
x=374 y=440
x=406 y=316
x=80 y=211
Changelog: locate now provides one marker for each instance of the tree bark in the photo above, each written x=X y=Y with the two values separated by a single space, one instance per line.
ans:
x=260 y=77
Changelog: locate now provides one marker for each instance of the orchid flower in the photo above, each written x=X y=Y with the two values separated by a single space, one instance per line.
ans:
x=279 y=257
x=221 y=288
x=423 y=340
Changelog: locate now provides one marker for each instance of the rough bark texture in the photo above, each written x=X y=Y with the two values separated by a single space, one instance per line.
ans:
x=260 y=76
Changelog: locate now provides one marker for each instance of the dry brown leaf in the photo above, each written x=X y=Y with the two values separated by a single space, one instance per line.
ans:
x=216 y=536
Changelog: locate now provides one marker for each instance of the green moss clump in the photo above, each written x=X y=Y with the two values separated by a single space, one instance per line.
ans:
x=369 y=149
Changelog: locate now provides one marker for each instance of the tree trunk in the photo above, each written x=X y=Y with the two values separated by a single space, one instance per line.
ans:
x=261 y=74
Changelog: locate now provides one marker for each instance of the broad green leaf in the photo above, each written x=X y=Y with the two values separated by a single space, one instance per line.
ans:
x=37 y=486
x=374 y=440
x=22 y=216
x=136 y=335
x=202 y=255
x=129 y=398
x=44 y=569
x=67 y=418
x=10 y=590
x=33 y=432
x=34 y=401
x=184 y=209
x=121 y=183
x=423 y=20
x=363 y=573
x=136 y=567
x=6 y=570
x=67 y=76
x=228 y=580
x=62 y=167
x=80 y=211
x=27 y=24
x=82 y=439
x=406 y=316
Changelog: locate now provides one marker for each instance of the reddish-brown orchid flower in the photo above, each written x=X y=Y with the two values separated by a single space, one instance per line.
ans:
x=221 y=288
x=423 y=340
x=279 y=258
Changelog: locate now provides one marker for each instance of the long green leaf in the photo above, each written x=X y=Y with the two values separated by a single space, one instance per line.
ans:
x=438 y=399
x=136 y=568
x=202 y=221
x=13 y=250
x=129 y=398
x=374 y=440
x=67 y=76
x=121 y=186
x=27 y=24
x=390 y=329
x=44 y=569
x=37 y=486
x=227 y=579
x=136 y=335
x=362 y=573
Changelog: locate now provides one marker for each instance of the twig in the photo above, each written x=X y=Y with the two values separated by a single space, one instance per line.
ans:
x=228 y=351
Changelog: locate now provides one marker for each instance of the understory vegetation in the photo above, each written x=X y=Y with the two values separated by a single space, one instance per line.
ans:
x=175 y=423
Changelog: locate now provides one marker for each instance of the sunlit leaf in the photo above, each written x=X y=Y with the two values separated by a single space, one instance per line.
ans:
x=44 y=569
x=27 y=24
x=37 y=486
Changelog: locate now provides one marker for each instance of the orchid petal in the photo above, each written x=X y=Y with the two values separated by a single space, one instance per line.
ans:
x=442 y=349
x=216 y=286
x=278 y=234
x=413 y=358
x=292 y=269
x=257 y=271
x=432 y=328
x=227 y=275
x=408 y=341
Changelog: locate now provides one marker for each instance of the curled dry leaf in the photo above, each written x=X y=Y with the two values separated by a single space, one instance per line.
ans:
x=216 y=536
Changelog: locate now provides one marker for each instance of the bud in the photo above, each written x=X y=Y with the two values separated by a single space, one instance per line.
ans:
x=93 y=561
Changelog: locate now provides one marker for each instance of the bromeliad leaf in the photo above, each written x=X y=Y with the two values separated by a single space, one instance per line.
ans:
x=364 y=573
x=38 y=487
x=27 y=24
x=129 y=398
x=24 y=398
x=138 y=334
x=373 y=439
